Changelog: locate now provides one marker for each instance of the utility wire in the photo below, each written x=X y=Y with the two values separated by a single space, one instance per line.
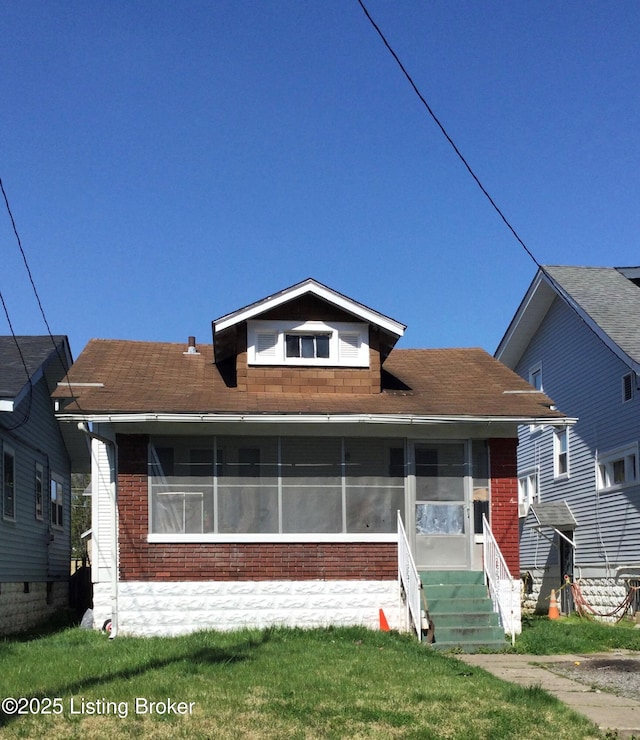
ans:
x=24 y=365
x=567 y=297
x=61 y=359
x=447 y=137
x=24 y=259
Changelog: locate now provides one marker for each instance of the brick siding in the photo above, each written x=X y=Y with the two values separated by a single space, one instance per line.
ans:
x=504 y=500
x=141 y=560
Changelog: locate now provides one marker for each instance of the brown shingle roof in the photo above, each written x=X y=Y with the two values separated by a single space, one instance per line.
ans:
x=153 y=377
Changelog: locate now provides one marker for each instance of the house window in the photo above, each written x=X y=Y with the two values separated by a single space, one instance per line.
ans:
x=618 y=468
x=627 y=387
x=276 y=485
x=39 y=491
x=528 y=492
x=561 y=453
x=57 y=501
x=308 y=346
x=8 y=484
x=179 y=511
x=308 y=343
x=535 y=376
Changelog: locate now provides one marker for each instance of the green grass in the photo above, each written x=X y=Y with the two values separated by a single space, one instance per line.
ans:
x=332 y=683
x=542 y=636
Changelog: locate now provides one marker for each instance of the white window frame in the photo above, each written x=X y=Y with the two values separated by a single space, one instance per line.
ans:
x=8 y=451
x=280 y=536
x=528 y=490
x=559 y=474
x=56 y=507
x=348 y=343
x=536 y=370
x=606 y=468
x=625 y=398
x=39 y=492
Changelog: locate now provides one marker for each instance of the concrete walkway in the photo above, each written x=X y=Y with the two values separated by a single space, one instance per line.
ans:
x=608 y=711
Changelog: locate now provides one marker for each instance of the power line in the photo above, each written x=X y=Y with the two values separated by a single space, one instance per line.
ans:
x=61 y=359
x=24 y=259
x=447 y=137
x=568 y=300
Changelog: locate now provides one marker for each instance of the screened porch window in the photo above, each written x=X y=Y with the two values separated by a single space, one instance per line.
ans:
x=275 y=485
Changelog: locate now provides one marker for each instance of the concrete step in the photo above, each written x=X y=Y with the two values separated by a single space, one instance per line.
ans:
x=439 y=577
x=475 y=605
x=456 y=591
x=475 y=634
x=470 y=647
x=471 y=619
x=461 y=610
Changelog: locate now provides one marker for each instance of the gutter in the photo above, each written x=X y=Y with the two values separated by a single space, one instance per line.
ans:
x=301 y=418
x=83 y=427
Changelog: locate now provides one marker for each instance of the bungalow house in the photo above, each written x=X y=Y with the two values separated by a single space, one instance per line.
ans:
x=576 y=336
x=35 y=482
x=257 y=480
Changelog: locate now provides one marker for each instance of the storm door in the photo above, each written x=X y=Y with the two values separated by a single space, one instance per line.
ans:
x=441 y=485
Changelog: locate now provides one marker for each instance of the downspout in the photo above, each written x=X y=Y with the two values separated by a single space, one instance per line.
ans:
x=82 y=426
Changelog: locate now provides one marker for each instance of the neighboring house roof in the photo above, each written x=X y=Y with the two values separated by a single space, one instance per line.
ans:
x=113 y=377
x=23 y=359
x=607 y=299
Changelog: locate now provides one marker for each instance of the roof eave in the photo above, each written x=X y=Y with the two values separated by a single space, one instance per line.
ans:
x=315 y=418
x=322 y=291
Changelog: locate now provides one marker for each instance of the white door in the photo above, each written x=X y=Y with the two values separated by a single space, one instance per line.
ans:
x=441 y=505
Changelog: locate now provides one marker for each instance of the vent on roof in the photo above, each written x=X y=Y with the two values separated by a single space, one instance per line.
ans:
x=191 y=349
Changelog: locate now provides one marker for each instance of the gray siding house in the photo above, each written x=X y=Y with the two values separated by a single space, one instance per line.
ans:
x=576 y=336
x=35 y=482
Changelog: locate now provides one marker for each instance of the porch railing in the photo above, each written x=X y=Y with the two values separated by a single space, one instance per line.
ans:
x=503 y=589
x=409 y=580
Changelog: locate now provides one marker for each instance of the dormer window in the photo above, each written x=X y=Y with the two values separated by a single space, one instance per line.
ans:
x=307 y=346
x=312 y=343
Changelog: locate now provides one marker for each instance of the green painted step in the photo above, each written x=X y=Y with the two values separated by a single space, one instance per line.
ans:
x=462 y=611
x=434 y=577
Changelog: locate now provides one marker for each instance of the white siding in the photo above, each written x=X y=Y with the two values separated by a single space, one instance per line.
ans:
x=103 y=511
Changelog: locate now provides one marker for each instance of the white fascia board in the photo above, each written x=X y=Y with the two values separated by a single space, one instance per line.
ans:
x=310 y=286
x=312 y=419
x=526 y=320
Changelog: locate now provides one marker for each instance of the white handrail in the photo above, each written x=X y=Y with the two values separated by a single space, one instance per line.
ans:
x=502 y=586
x=409 y=580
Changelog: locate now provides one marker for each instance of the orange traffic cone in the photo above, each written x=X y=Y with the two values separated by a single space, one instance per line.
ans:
x=554 y=612
x=384 y=625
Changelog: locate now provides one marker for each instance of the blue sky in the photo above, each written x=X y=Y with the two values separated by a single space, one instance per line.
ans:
x=169 y=162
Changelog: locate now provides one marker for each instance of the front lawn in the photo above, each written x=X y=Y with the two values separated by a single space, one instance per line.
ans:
x=542 y=636
x=333 y=683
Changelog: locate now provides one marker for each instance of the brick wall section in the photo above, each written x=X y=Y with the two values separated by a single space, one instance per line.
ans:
x=140 y=560
x=504 y=500
x=352 y=380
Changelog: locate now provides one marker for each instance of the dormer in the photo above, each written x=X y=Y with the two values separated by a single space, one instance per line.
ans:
x=305 y=339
